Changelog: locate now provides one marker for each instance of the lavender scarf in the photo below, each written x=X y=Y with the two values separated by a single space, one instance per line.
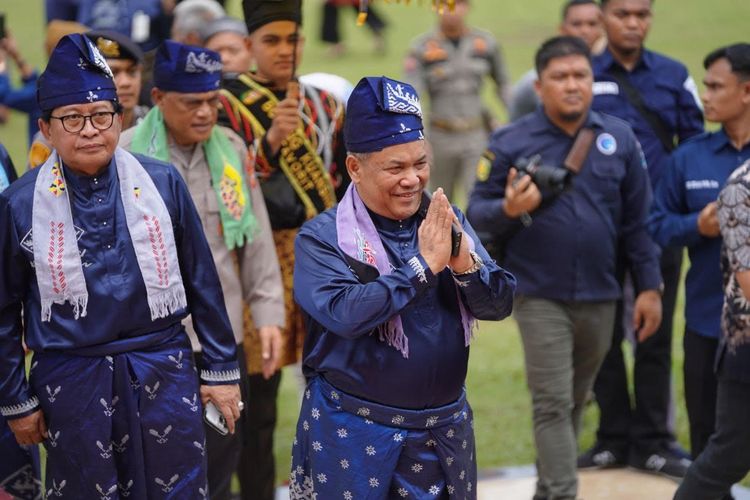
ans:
x=359 y=239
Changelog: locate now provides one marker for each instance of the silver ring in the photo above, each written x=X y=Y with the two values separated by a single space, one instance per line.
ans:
x=240 y=405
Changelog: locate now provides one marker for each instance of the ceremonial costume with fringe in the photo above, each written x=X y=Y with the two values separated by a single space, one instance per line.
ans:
x=104 y=268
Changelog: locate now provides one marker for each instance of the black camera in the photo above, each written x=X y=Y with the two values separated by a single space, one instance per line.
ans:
x=552 y=179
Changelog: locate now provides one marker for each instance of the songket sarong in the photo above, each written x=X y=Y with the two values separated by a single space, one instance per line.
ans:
x=19 y=467
x=123 y=425
x=348 y=448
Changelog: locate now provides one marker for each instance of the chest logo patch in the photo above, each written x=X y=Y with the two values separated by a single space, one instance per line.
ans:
x=606 y=144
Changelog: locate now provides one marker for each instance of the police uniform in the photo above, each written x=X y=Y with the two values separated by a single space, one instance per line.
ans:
x=451 y=73
x=565 y=265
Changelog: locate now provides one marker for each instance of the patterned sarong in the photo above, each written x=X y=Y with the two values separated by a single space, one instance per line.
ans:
x=349 y=448
x=123 y=425
x=19 y=467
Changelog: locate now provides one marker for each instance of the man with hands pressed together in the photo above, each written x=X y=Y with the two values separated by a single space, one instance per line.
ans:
x=390 y=313
x=564 y=253
x=104 y=254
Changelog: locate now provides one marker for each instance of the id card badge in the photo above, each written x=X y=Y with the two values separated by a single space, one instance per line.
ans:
x=140 y=27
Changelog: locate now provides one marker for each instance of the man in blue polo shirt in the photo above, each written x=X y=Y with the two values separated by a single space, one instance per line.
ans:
x=562 y=247
x=657 y=97
x=684 y=214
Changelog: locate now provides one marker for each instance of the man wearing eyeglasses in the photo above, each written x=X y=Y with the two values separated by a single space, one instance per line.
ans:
x=104 y=255
x=182 y=130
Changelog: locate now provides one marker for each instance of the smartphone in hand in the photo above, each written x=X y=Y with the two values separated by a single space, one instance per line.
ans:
x=215 y=419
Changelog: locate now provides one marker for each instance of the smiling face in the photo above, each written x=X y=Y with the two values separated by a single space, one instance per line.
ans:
x=565 y=88
x=90 y=150
x=189 y=117
x=272 y=47
x=390 y=182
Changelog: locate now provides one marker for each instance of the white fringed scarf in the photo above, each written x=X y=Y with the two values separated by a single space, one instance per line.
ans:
x=57 y=260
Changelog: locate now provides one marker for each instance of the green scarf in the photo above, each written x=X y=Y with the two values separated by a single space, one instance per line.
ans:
x=227 y=175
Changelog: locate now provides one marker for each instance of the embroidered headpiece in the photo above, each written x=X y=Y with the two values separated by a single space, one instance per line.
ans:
x=382 y=112
x=185 y=68
x=76 y=74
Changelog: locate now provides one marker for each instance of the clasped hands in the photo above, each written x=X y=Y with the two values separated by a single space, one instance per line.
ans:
x=435 y=237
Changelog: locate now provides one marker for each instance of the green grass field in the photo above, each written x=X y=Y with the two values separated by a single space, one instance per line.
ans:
x=684 y=29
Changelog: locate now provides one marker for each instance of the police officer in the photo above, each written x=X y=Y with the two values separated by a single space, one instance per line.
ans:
x=565 y=258
x=449 y=64
x=658 y=98
x=685 y=215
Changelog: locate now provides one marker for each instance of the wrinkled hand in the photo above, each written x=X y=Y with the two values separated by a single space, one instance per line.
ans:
x=226 y=399
x=647 y=314
x=708 y=221
x=270 y=349
x=30 y=429
x=435 y=233
x=285 y=118
x=524 y=197
x=463 y=261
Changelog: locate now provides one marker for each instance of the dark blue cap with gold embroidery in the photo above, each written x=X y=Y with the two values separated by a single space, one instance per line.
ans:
x=75 y=74
x=382 y=112
x=187 y=69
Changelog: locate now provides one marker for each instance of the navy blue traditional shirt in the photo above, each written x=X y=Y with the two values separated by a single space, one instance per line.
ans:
x=666 y=88
x=569 y=251
x=118 y=317
x=694 y=175
x=343 y=309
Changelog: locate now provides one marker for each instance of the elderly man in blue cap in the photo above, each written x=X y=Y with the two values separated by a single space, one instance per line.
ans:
x=182 y=129
x=102 y=254
x=391 y=296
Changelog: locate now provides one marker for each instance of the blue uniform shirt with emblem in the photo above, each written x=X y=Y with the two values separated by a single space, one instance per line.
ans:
x=569 y=252
x=665 y=87
x=694 y=175
x=118 y=318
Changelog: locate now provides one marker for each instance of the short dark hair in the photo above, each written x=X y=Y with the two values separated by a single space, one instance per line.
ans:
x=560 y=46
x=47 y=114
x=738 y=56
x=605 y=2
x=575 y=3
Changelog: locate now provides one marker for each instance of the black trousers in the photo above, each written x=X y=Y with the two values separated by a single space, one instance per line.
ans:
x=257 y=468
x=700 y=388
x=330 y=26
x=223 y=452
x=726 y=458
x=643 y=427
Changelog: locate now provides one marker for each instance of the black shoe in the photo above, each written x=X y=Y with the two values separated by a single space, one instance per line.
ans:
x=664 y=461
x=601 y=456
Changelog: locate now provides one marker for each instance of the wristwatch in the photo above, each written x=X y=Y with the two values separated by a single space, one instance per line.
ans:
x=476 y=266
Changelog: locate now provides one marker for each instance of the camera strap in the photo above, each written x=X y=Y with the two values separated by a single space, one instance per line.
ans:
x=579 y=151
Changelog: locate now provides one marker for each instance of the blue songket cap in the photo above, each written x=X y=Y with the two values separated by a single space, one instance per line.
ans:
x=76 y=73
x=187 y=69
x=382 y=112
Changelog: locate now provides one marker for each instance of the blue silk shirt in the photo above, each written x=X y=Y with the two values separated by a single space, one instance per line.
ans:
x=118 y=317
x=343 y=309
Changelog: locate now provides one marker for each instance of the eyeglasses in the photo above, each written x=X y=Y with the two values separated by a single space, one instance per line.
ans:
x=100 y=120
